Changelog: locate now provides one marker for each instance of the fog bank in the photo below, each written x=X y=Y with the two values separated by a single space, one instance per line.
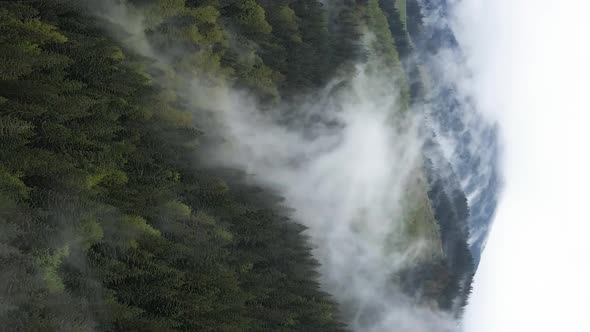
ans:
x=530 y=65
x=353 y=175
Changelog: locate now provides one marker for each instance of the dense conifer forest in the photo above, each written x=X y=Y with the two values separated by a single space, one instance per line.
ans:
x=111 y=219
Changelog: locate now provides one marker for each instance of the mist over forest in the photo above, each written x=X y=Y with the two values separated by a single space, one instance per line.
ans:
x=238 y=165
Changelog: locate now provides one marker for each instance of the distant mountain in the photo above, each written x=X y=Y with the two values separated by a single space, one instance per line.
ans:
x=469 y=141
x=237 y=165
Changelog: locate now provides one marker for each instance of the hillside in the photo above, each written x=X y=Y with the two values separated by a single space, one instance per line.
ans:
x=135 y=194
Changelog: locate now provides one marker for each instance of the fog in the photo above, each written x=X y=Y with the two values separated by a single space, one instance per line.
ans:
x=348 y=185
x=350 y=167
x=530 y=65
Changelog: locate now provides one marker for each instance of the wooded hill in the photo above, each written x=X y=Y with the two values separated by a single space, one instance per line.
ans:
x=108 y=221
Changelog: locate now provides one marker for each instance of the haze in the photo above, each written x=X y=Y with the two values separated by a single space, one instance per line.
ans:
x=530 y=63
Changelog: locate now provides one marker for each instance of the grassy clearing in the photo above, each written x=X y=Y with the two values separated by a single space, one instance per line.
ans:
x=420 y=221
x=401 y=5
x=419 y=235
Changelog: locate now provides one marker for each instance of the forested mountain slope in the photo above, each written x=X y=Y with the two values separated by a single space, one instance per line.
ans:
x=472 y=140
x=113 y=216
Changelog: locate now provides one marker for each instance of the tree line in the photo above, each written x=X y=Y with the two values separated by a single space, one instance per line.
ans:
x=107 y=219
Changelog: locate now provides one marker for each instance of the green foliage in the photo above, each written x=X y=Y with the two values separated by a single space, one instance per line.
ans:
x=12 y=186
x=252 y=18
x=89 y=233
x=106 y=178
x=383 y=44
x=397 y=27
x=100 y=195
x=401 y=6
x=49 y=264
x=177 y=210
x=107 y=221
x=452 y=213
x=158 y=11
x=286 y=23
x=21 y=39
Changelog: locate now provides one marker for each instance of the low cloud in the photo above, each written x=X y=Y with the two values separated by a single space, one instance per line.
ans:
x=351 y=168
x=530 y=69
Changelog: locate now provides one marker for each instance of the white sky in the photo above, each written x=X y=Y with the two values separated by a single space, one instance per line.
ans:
x=531 y=60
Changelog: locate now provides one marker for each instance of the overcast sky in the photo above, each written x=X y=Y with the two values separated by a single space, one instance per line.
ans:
x=532 y=73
